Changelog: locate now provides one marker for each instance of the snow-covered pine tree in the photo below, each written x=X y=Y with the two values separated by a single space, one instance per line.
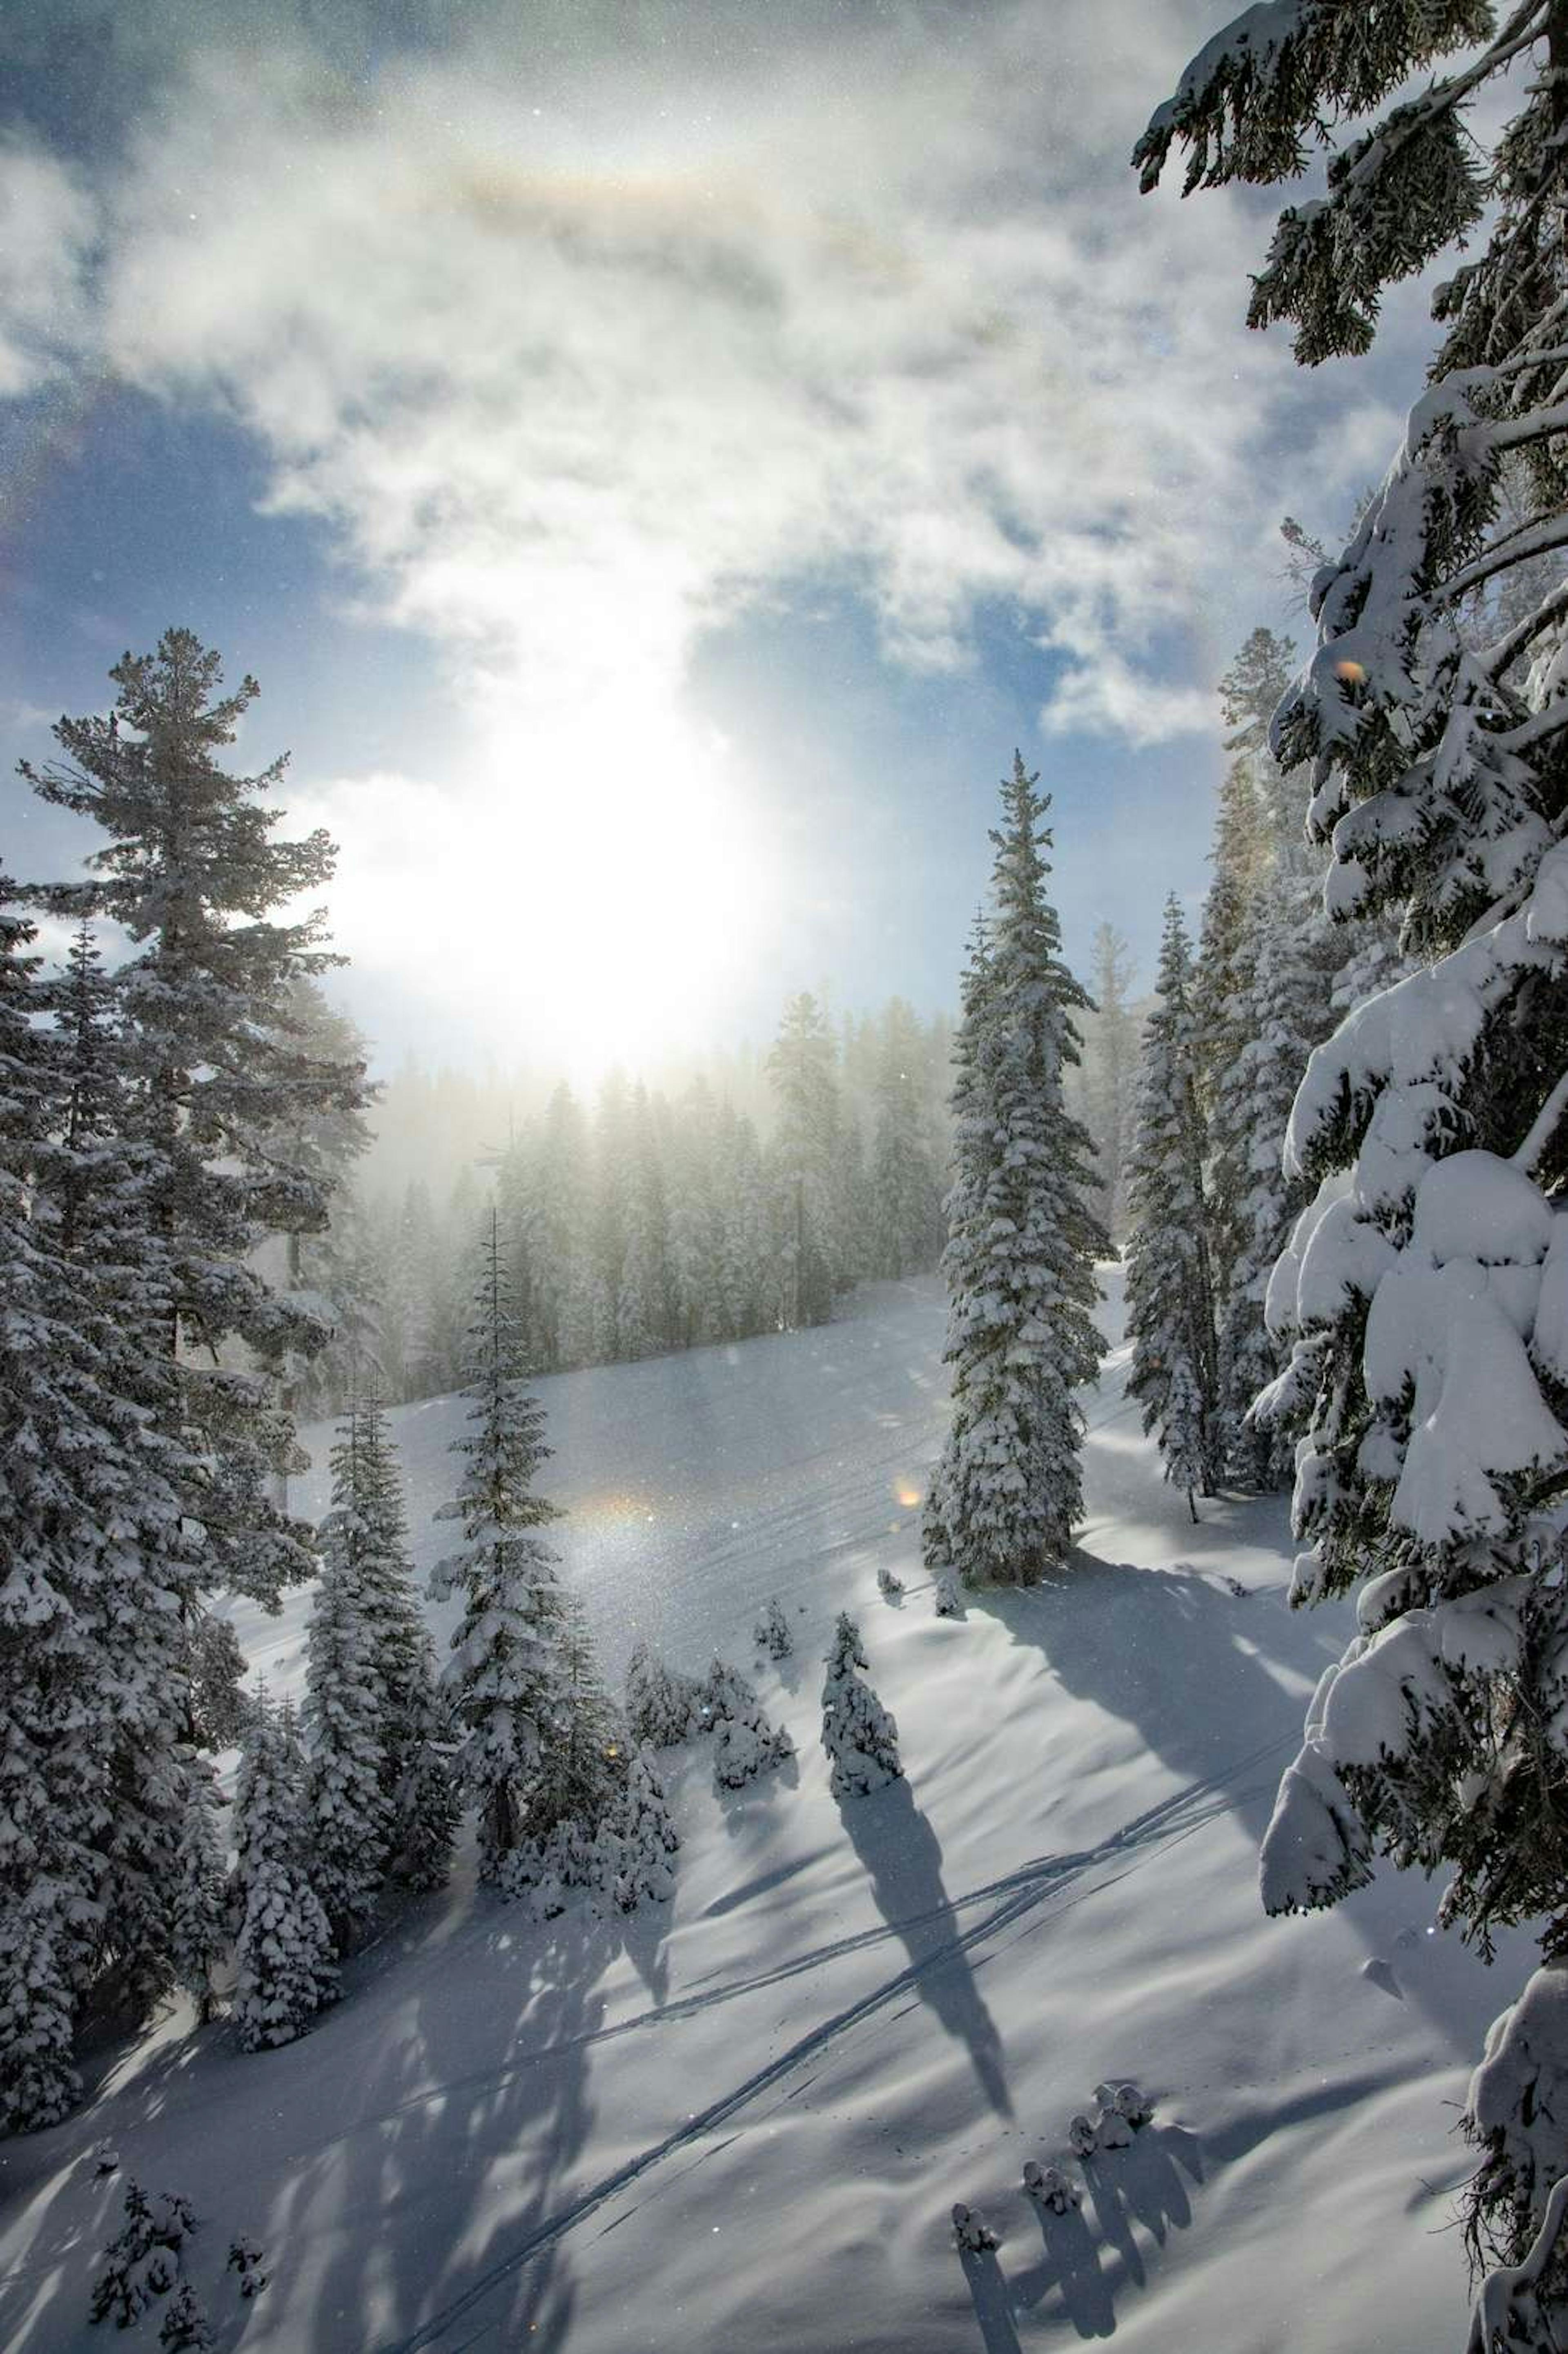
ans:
x=646 y=1300
x=100 y=1575
x=645 y=1838
x=697 y=1219
x=1110 y=1088
x=415 y=1730
x=772 y=1632
x=905 y=1205
x=858 y=1734
x=199 y=1930
x=582 y=1742
x=606 y=1215
x=1291 y=954
x=1023 y=1242
x=1425 y=1286
x=747 y=1290
x=1170 y=1294
x=285 y=1965
x=347 y=1709
x=212 y=1059
x=322 y=1266
x=805 y=1156
x=504 y=1674
x=145 y=2259
x=745 y=1743
x=664 y=1706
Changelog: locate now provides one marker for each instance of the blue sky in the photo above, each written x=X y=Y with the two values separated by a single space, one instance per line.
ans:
x=658 y=466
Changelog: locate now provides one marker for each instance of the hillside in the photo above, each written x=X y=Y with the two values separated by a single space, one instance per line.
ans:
x=740 y=2121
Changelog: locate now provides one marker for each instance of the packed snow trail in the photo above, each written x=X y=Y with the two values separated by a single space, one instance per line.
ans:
x=742 y=2119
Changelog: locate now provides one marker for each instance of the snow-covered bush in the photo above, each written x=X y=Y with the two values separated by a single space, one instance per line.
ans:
x=664 y=1706
x=245 y=2260
x=858 y=1734
x=947 y=1595
x=889 y=1585
x=1049 y=2187
x=1083 y=2139
x=973 y=2235
x=771 y=1633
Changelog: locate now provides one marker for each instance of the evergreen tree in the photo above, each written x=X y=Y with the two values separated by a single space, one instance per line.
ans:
x=285 y=1965
x=612 y=1151
x=1289 y=1009
x=746 y=1742
x=646 y=1301
x=1111 y=1092
x=644 y=1838
x=504 y=1676
x=1170 y=1295
x=347 y=1708
x=324 y=1265
x=1425 y=1287
x=1020 y=1261
x=805 y=1159
x=662 y=1705
x=199 y=1934
x=747 y=1292
x=697 y=1221
x=905 y=1206
x=99 y=1563
x=858 y=1734
x=214 y=1066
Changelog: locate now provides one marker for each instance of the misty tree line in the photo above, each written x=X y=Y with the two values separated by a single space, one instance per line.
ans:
x=644 y=1222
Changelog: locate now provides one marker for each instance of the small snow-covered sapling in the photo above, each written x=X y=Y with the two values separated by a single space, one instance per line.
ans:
x=1133 y=2106
x=143 y=2261
x=247 y=2259
x=1050 y=2186
x=1123 y=2101
x=107 y=2158
x=947 y=1600
x=971 y=2232
x=1082 y=2138
x=889 y=1585
x=186 y=2329
x=1112 y=2130
x=771 y=1632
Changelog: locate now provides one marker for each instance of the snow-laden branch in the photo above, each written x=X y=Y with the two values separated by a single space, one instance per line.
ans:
x=1543 y=1128
x=1489 y=2321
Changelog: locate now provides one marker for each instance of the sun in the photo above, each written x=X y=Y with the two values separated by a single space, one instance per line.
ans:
x=590 y=890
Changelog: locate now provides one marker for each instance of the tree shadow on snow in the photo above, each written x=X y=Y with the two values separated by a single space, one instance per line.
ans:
x=1182 y=1660
x=1140 y=2184
x=480 y=2110
x=903 y=1862
x=993 y=2307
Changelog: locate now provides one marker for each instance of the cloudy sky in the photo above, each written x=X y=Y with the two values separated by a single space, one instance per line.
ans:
x=658 y=459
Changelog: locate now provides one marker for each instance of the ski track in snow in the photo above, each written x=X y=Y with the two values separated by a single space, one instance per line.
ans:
x=1023 y=1891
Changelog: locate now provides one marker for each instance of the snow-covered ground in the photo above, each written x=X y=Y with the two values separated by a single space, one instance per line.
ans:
x=741 y=2121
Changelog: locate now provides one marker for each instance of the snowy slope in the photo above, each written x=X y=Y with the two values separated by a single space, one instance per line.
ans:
x=741 y=2121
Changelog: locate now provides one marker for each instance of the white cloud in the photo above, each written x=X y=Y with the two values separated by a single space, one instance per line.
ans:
x=571 y=384
x=46 y=225
x=572 y=378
